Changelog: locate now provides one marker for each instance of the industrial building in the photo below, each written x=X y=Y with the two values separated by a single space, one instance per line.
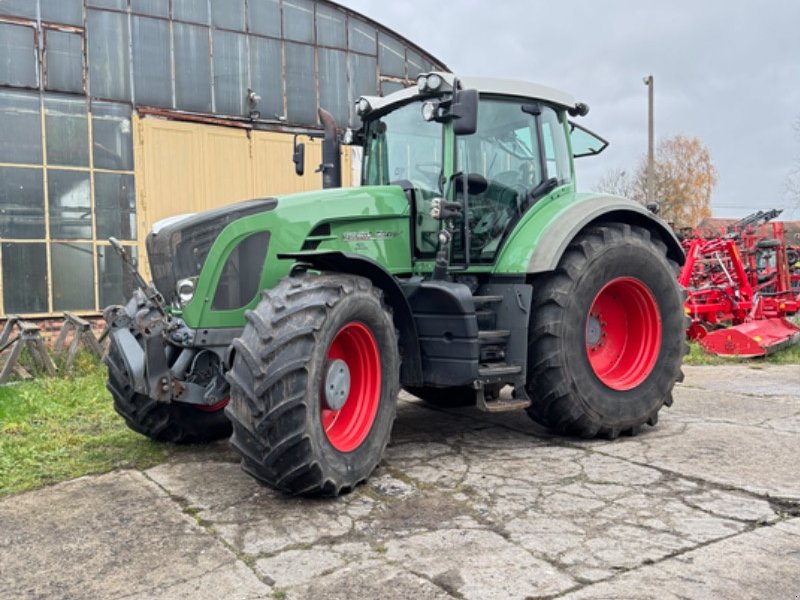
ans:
x=117 y=113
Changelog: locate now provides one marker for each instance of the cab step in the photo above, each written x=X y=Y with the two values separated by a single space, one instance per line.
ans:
x=482 y=300
x=496 y=370
x=505 y=402
x=494 y=336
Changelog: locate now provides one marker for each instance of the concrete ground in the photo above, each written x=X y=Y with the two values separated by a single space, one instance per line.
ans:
x=465 y=505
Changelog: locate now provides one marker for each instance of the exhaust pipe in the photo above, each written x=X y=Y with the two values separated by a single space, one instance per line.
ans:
x=331 y=166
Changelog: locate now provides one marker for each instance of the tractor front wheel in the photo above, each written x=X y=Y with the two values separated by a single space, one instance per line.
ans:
x=607 y=334
x=314 y=384
x=174 y=422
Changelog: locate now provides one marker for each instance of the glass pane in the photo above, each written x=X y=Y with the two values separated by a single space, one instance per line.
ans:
x=156 y=8
x=69 y=12
x=115 y=206
x=301 y=93
x=21 y=203
x=555 y=145
x=18 y=8
x=190 y=10
x=266 y=74
x=192 y=68
x=298 y=20
x=109 y=75
x=230 y=73
x=24 y=278
x=73 y=276
x=331 y=27
x=117 y=4
x=152 y=72
x=64 y=61
x=264 y=17
x=585 y=142
x=18 y=63
x=363 y=79
x=228 y=14
x=20 y=128
x=390 y=87
x=333 y=83
x=66 y=126
x=116 y=282
x=415 y=64
x=70 y=204
x=362 y=36
x=392 y=57
x=111 y=129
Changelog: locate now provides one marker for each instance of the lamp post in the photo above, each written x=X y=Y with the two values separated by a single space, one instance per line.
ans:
x=650 y=192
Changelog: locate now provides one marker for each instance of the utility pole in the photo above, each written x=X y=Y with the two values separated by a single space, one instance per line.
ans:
x=650 y=192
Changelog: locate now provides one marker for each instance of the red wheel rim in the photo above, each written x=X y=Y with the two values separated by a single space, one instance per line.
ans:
x=349 y=426
x=623 y=333
x=213 y=407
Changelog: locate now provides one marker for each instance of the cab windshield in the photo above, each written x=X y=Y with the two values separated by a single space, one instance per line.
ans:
x=402 y=148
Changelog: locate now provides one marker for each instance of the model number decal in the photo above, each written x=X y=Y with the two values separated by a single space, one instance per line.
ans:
x=368 y=236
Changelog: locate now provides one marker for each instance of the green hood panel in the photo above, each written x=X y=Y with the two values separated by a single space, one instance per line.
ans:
x=371 y=221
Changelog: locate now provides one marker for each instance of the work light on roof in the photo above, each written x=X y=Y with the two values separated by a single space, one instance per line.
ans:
x=363 y=106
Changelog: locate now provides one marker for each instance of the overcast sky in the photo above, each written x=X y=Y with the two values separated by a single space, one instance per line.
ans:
x=727 y=72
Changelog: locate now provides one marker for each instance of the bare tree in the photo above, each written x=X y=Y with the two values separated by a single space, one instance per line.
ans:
x=617 y=182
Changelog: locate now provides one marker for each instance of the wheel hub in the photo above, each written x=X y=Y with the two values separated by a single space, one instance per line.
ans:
x=594 y=331
x=337 y=384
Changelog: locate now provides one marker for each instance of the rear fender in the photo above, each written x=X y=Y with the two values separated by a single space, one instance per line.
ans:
x=342 y=262
x=539 y=240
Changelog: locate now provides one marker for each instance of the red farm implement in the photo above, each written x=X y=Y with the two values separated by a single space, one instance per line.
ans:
x=742 y=284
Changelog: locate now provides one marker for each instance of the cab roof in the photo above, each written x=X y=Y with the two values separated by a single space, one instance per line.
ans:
x=484 y=85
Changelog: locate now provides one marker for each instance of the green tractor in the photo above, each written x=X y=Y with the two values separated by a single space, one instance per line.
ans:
x=465 y=269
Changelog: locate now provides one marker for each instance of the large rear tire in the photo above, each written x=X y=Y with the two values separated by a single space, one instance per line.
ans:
x=314 y=385
x=607 y=334
x=173 y=422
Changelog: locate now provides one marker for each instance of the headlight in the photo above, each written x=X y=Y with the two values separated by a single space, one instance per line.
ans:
x=429 y=111
x=184 y=291
x=363 y=106
x=434 y=82
x=422 y=83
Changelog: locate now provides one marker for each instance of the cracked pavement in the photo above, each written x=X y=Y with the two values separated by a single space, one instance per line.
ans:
x=465 y=505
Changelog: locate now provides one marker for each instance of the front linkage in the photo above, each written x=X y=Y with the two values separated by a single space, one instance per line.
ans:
x=166 y=383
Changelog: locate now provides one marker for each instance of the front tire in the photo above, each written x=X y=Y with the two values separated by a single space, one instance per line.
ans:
x=173 y=422
x=607 y=334
x=314 y=385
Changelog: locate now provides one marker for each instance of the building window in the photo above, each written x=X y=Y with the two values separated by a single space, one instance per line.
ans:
x=18 y=64
x=66 y=185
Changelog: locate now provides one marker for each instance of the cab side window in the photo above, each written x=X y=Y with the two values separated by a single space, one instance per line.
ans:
x=556 y=152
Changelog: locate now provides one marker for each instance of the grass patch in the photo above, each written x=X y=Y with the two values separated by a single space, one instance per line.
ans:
x=55 y=429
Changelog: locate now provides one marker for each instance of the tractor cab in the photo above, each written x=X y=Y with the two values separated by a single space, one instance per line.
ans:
x=472 y=155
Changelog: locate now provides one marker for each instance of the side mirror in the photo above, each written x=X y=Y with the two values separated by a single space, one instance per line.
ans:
x=464 y=112
x=299 y=157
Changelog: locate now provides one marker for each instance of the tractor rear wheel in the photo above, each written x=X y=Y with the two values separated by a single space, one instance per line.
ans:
x=174 y=422
x=607 y=334
x=314 y=384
